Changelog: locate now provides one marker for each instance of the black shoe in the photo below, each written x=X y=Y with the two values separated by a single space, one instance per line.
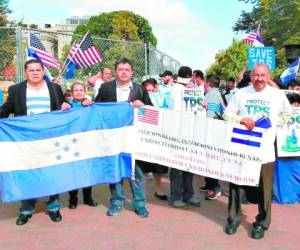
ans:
x=72 y=205
x=55 y=216
x=231 y=228
x=23 y=218
x=162 y=197
x=258 y=231
x=91 y=203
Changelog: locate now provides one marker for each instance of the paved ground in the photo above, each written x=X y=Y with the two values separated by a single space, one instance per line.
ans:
x=166 y=228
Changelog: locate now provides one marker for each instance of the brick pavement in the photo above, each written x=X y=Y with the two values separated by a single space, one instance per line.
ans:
x=166 y=228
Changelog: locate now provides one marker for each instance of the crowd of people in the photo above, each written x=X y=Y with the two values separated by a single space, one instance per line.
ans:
x=35 y=95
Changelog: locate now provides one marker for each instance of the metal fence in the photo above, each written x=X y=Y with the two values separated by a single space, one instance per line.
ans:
x=147 y=60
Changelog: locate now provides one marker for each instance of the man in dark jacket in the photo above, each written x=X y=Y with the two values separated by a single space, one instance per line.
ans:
x=34 y=96
x=120 y=90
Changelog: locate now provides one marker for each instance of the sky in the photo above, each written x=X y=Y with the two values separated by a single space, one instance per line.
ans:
x=190 y=31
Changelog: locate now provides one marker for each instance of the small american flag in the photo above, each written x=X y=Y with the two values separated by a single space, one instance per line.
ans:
x=249 y=39
x=148 y=115
x=45 y=57
x=85 y=54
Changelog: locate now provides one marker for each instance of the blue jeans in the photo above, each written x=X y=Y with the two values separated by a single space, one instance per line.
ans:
x=28 y=206
x=137 y=187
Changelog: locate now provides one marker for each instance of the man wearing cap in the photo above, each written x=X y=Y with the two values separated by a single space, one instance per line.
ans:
x=181 y=182
x=248 y=105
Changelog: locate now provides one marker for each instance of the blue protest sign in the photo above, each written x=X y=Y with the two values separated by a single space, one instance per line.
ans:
x=261 y=55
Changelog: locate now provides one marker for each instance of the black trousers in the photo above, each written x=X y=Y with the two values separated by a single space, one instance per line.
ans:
x=87 y=195
x=181 y=185
x=264 y=196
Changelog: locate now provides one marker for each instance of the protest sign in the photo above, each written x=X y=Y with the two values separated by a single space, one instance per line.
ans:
x=288 y=144
x=200 y=145
x=264 y=55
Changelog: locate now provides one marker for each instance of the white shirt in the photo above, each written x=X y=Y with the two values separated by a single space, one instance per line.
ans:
x=187 y=99
x=123 y=94
x=231 y=93
x=96 y=87
x=270 y=102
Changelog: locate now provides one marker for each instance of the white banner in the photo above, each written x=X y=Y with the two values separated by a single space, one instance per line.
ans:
x=207 y=147
x=288 y=144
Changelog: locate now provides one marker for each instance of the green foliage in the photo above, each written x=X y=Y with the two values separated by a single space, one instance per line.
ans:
x=4 y=10
x=229 y=62
x=119 y=25
x=280 y=22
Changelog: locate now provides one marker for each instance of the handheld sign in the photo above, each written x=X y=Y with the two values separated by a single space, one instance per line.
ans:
x=264 y=55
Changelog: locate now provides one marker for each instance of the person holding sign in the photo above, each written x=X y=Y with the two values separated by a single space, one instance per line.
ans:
x=215 y=108
x=158 y=100
x=181 y=182
x=247 y=106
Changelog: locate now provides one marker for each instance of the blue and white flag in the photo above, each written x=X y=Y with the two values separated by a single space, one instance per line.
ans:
x=246 y=137
x=290 y=73
x=263 y=122
x=258 y=42
x=55 y=152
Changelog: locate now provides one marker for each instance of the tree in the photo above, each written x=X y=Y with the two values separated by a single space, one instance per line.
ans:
x=228 y=63
x=119 y=25
x=280 y=22
x=4 y=10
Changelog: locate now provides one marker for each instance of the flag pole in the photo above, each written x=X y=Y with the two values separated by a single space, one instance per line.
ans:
x=297 y=74
x=64 y=65
x=258 y=28
x=60 y=74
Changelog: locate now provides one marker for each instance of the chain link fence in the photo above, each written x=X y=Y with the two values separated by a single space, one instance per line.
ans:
x=159 y=62
x=147 y=60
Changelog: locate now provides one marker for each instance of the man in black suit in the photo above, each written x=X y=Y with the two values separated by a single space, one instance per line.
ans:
x=34 y=96
x=120 y=90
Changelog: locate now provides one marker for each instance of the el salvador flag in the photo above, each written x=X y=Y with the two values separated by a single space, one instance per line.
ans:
x=55 y=152
x=290 y=73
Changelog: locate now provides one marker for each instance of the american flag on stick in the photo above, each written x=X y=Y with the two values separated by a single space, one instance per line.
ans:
x=43 y=55
x=85 y=53
x=249 y=39
x=254 y=39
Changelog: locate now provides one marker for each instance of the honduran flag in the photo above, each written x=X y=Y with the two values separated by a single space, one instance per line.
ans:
x=246 y=137
x=55 y=152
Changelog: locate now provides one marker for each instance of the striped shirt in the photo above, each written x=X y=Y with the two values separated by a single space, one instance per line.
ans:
x=214 y=103
x=37 y=101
